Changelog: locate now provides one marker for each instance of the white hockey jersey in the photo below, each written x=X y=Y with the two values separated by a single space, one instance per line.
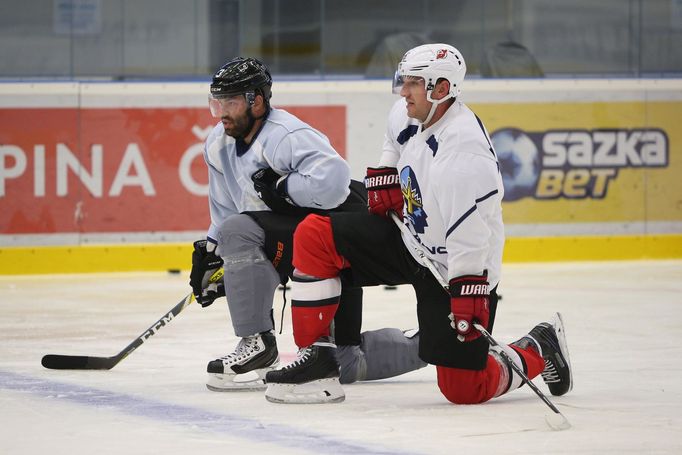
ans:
x=452 y=190
x=317 y=176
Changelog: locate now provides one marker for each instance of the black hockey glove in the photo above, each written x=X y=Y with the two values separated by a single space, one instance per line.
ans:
x=204 y=264
x=275 y=196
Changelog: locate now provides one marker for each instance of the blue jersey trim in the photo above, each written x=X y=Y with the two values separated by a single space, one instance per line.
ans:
x=460 y=220
x=468 y=212
x=433 y=144
x=407 y=133
x=481 y=199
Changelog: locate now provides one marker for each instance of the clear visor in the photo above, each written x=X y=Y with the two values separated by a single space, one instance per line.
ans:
x=398 y=82
x=220 y=104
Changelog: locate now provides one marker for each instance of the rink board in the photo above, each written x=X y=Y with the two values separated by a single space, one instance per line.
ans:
x=176 y=256
x=95 y=176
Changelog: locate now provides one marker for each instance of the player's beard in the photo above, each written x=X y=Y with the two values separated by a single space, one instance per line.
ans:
x=241 y=126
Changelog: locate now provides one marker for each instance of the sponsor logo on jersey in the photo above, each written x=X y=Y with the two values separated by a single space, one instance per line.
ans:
x=414 y=209
x=573 y=164
x=412 y=197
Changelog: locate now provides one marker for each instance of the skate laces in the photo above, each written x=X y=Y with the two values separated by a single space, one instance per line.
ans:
x=245 y=347
x=550 y=373
x=301 y=357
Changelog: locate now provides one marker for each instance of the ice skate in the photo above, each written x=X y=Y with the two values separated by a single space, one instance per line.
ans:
x=245 y=368
x=312 y=378
x=550 y=338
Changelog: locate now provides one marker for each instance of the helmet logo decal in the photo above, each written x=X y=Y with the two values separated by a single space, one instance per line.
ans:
x=242 y=75
x=442 y=53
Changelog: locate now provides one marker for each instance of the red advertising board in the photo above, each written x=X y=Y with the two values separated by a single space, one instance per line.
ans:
x=112 y=170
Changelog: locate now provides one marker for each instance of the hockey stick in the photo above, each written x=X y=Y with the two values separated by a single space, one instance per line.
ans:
x=556 y=421
x=81 y=362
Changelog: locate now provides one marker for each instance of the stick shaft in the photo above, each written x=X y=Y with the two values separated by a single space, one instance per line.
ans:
x=155 y=327
x=426 y=262
x=516 y=368
x=79 y=362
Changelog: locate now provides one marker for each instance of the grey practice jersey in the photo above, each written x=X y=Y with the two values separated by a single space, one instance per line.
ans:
x=316 y=176
x=452 y=188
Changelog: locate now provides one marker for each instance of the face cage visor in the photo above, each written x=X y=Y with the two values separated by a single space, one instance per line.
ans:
x=220 y=104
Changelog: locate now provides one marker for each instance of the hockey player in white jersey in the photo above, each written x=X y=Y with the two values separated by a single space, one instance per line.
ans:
x=439 y=172
x=267 y=169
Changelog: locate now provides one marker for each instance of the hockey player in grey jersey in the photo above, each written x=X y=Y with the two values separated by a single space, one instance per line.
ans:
x=267 y=169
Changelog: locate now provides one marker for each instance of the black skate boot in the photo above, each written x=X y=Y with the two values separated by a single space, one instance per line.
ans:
x=312 y=378
x=550 y=338
x=245 y=368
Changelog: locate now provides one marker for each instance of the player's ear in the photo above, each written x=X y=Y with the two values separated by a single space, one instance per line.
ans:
x=442 y=88
x=258 y=102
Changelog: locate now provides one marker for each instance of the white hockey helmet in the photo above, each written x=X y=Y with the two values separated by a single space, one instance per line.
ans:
x=432 y=62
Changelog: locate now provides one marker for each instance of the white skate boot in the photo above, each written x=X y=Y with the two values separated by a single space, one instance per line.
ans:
x=245 y=368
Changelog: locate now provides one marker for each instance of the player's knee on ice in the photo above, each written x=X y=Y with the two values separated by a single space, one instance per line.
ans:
x=382 y=353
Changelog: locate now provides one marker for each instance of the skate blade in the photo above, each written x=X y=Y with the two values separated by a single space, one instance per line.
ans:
x=251 y=381
x=314 y=392
x=561 y=335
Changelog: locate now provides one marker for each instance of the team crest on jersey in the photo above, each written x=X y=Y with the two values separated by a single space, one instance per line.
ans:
x=412 y=197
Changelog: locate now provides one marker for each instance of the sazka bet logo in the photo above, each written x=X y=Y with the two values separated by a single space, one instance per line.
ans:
x=574 y=164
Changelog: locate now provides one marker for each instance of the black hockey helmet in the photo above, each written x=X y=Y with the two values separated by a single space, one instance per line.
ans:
x=242 y=75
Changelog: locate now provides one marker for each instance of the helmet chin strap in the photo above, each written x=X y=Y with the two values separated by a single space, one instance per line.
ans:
x=434 y=105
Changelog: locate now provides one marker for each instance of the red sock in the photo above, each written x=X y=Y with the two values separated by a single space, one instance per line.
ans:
x=532 y=360
x=313 y=305
x=311 y=323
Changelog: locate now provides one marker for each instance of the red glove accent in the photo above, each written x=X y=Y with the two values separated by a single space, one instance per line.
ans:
x=383 y=191
x=469 y=304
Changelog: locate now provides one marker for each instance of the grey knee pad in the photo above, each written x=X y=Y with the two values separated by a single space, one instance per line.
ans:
x=383 y=353
x=250 y=278
x=352 y=363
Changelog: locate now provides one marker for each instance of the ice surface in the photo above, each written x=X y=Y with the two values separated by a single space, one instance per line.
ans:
x=623 y=323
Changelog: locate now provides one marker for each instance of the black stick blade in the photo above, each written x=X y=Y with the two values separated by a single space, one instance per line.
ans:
x=77 y=362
